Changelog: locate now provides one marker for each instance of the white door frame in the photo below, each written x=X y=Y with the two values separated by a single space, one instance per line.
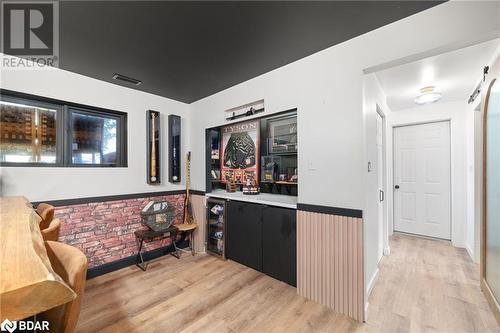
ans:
x=385 y=186
x=391 y=177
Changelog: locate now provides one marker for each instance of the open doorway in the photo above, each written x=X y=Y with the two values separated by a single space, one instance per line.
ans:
x=431 y=142
x=431 y=90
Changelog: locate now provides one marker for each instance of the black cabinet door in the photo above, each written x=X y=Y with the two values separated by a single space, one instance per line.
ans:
x=244 y=233
x=279 y=244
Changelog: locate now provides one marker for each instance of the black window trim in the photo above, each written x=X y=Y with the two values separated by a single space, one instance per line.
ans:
x=63 y=136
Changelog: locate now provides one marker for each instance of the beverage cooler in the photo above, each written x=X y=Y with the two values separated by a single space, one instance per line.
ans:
x=216 y=227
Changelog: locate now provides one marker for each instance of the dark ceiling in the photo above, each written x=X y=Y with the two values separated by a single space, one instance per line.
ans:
x=190 y=50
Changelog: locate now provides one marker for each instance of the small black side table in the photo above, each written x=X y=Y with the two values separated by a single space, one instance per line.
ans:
x=146 y=234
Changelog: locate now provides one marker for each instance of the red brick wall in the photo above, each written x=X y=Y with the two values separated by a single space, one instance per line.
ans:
x=104 y=231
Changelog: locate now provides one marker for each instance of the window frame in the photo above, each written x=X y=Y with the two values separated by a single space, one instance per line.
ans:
x=59 y=130
x=121 y=152
x=64 y=131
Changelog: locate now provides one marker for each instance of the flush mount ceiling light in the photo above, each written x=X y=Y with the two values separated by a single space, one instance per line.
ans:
x=427 y=96
x=127 y=79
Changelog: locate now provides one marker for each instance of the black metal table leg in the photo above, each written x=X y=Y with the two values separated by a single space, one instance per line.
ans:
x=146 y=235
x=175 y=253
x=141 y=265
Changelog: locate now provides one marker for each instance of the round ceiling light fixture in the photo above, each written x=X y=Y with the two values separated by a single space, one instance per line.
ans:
x=427 y=96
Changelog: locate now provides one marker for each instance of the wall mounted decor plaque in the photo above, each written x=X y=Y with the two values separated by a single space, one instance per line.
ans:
x=153 y=147
x=174 y=148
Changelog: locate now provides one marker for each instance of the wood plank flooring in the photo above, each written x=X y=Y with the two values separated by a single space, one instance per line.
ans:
x=428 y=285
x=424 y=286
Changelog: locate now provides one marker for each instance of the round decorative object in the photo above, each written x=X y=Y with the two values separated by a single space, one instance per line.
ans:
x=174 y=178
x=153 y=179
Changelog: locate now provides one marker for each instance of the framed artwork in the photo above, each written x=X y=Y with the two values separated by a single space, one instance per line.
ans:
x=240 y=150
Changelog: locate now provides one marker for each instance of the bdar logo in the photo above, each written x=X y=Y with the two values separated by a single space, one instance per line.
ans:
x=9 y=326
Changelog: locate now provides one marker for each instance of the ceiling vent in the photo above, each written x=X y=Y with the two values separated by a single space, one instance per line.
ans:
x=126 y=79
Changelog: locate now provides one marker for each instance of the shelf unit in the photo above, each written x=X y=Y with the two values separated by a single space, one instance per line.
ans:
x=288 y=157
x=216 y=227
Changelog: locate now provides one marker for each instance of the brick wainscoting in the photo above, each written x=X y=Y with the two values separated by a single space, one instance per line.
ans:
x=104 y=231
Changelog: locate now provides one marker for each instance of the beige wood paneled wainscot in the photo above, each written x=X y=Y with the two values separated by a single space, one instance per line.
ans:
x=28 y=284
x=330 y=261
x=198 y=203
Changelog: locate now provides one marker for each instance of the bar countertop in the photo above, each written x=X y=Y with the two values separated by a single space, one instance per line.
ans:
x=279 y=200
x=28 y=283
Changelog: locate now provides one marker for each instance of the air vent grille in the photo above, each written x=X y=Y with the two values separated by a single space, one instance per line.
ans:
x=126 y=79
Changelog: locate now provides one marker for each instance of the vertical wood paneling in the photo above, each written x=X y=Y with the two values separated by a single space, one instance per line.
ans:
x=330 y=261
x=199 y=215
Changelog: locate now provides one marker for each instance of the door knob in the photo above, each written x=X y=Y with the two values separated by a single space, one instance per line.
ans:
x=396 y=187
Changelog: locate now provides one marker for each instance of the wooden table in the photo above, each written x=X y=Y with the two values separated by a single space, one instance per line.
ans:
x=28 y=285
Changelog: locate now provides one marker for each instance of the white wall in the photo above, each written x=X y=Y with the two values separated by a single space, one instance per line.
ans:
x=378 y=237
x=456 y=112
x=311 y=85
x=472 y=117
x=50 y=183
x=327 y=89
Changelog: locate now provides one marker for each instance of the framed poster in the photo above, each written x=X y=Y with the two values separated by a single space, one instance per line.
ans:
x=240 y=151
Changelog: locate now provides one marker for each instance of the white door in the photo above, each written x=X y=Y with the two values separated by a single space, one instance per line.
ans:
x=380 y=180
x=422 y=188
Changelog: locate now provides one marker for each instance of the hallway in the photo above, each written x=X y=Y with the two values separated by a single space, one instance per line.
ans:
x=428 y=286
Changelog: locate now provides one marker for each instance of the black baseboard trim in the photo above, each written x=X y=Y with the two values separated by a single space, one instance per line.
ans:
x=81 y=201
x=330 y=210
x=196 y=192
x=132 y=260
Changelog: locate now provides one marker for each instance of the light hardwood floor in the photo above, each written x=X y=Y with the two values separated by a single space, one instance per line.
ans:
x=428 y=285
x=424 y=286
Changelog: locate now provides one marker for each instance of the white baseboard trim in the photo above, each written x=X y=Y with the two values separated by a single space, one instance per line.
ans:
x=371 y=284
x=369 y=290
x=470 y=252
x=387 y=251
